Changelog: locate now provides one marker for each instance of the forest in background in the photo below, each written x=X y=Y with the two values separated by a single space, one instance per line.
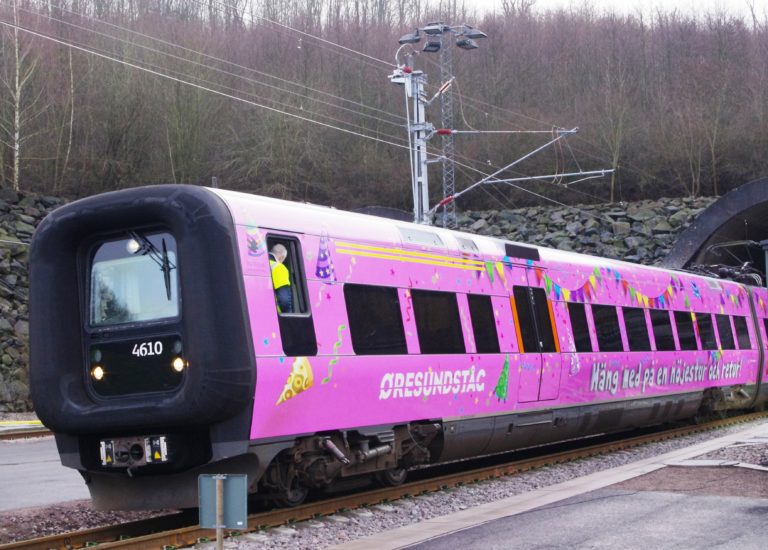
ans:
x=677 y=104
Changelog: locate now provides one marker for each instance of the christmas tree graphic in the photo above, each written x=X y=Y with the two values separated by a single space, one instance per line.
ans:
x=324 y=270
x=502 y=386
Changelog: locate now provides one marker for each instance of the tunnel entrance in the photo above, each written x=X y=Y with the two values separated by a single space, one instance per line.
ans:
x=729 y=239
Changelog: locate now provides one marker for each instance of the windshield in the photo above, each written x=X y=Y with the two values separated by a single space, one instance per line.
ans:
x=134 y=279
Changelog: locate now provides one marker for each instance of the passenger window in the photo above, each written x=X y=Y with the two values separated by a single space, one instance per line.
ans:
x=706 y=331
x=526 y=328
x=483 y=323
x=297 y=330
x=375 y=321
x=685 y=334
x=607 y=328
x=765 y=324
x=437 y=322
x=535 y=320
x=544 y=322
x=742 y=334
x=725 y=332
x=579 y=327
x=637 y=329
x=662 y=330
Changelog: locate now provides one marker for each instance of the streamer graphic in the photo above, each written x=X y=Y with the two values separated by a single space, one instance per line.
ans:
x=336 y=346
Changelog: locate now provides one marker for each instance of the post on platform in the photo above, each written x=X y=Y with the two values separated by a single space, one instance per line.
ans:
x=223 y=500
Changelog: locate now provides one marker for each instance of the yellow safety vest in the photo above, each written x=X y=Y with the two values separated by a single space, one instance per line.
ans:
x=280 y=275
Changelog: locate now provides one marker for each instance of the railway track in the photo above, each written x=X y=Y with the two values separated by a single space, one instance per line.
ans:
x=23 y=433
x=176 y=531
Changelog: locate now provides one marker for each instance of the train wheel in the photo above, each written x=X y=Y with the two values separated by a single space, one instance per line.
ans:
x=293 y=493
x=392 y=477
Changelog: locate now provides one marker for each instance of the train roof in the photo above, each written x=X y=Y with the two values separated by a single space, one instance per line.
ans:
x=311 y=218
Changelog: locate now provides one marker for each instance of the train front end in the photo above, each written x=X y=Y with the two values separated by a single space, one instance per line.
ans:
x=141 y=360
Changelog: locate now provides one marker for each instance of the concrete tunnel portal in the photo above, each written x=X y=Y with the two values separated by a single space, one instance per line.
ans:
x=729 y=239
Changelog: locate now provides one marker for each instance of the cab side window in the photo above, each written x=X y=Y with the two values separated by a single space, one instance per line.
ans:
x=297 y=330
x=287 y=271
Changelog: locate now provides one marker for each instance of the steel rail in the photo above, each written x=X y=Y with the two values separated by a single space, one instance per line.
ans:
x=24 y=433
x=115 y=536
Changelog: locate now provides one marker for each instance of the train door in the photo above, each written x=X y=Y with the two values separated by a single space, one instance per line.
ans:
x=539 y=373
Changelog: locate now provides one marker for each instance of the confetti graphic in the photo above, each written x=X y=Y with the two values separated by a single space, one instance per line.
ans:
x=335 y=359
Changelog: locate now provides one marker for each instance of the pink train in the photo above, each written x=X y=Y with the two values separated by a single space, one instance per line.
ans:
x=158 y=351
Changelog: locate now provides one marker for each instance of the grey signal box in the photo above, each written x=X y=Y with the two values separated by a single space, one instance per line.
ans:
x=235 y=500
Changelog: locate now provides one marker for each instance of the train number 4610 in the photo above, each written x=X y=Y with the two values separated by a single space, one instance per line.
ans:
x=145 y=349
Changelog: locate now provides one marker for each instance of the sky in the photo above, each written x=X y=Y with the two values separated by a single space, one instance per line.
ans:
x=739 y=8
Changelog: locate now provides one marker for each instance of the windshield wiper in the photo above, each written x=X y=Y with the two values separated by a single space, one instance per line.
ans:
x=161 y=259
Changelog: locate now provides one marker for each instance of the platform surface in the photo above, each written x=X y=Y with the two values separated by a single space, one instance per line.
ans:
x=31 y=474
x=615 y=518
x=664 y=502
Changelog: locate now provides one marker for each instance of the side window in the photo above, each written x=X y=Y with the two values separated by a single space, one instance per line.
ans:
x=725 y=332
x=706 y=331
x=685 y=333
x=525 y=320
x=662 y=330
x=544 y=322
x=483 y=323
x=637 y=329
x=437 y=322
x=765 y=324
x=297 y=330
x=287 y=271
x=607 y=327
x=580 y=328
x=742 y=334
x=535 y=319
x=375 y=321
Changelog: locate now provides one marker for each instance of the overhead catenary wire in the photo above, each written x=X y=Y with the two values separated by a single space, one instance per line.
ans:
x=206 y=3
x=205 y=88
x=624 y=165
x=397 y=119
x=560 y=136
x=230 y=6
x=559 y=153
x=220 y=86
x=215 y=91
x=531 y=192
x=470 y=100
x=219 y=92
x=387 y=63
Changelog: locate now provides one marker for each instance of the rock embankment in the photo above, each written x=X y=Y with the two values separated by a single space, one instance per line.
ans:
x=642 y=232
x=19 y=215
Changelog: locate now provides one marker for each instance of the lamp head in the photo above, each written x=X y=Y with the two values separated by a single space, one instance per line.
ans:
x=433 y=29
x=432 y=45
x=410 y=38
x=469 y=32
x=466 y=43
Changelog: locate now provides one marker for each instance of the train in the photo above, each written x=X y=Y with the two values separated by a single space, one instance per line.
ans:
x=160 y=349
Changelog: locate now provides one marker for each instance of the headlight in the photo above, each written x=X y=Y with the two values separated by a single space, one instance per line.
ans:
x=97 y=373
x=178 y=364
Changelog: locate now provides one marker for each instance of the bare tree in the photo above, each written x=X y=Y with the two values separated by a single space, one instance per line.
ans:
x=24 y=61
x=512 y=8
